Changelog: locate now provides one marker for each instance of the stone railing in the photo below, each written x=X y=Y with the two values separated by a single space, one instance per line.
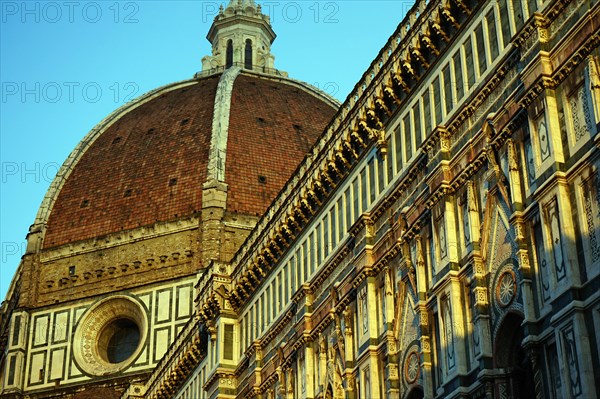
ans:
x=255 y=68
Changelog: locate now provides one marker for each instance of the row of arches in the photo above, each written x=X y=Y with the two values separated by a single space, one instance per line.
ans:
x=247 y=54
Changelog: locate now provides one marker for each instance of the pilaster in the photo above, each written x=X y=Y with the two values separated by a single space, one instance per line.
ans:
x=349 y=350
x=460 y=347
x=557 y=149
x=518 y=223
x=567 y=232
x=593 y=72
x=309 y=361
x=450 y=230
x=422 y=314
x=372 y=314
x=214 y=201
x=375 y=375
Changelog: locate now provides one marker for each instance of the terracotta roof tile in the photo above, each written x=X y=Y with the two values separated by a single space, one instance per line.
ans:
x=271 y=128
x=124 y=176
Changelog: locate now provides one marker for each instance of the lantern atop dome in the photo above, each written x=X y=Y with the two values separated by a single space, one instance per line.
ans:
x=241 y=35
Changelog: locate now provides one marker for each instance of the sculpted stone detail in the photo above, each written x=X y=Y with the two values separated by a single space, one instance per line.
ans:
x=506 y=288
x=392 y=345
x=445 y=141
x=543 y=138
x=524 y=260
x=227 y=381
x=581 y=112
x=412 y=367
x=448 y=333
x=481 y=296
x=555 y=235
x=424 y=317
x=289 y=380
x=570 y=345
x=347 y=321
x=91 y=339
x=393 y=372
x=591 y=216
x=426 y=344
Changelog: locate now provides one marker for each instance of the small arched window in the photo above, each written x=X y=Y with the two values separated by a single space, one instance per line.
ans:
x=248 y=55
x=229 y=54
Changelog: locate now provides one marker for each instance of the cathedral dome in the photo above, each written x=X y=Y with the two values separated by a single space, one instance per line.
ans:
x=149 y=161
x=240 y=124
x=163 y=190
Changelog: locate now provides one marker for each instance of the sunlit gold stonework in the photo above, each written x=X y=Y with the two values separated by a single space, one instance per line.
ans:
x=431 y=241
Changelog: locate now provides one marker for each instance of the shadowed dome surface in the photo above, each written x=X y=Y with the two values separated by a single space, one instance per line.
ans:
x=151 y=162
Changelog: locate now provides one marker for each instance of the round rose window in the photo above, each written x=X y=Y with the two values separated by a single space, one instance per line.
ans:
x=412 y=368
x=506 y=288
x=110 y=336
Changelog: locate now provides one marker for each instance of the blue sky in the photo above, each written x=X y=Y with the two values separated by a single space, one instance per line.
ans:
x=65 y=65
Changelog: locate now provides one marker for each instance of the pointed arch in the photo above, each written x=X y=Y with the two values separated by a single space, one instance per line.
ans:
x=248 y=54
x=229 y=54
x=511 y=358
x=415 y=393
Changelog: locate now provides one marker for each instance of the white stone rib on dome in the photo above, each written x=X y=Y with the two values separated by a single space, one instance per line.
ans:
x=221 y=115
x=220 y=125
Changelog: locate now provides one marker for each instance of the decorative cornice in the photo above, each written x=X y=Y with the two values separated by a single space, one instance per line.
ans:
x=349 y=135
x=331 y=265
x=102 y=273
x=112 y=240
x=536 y=30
